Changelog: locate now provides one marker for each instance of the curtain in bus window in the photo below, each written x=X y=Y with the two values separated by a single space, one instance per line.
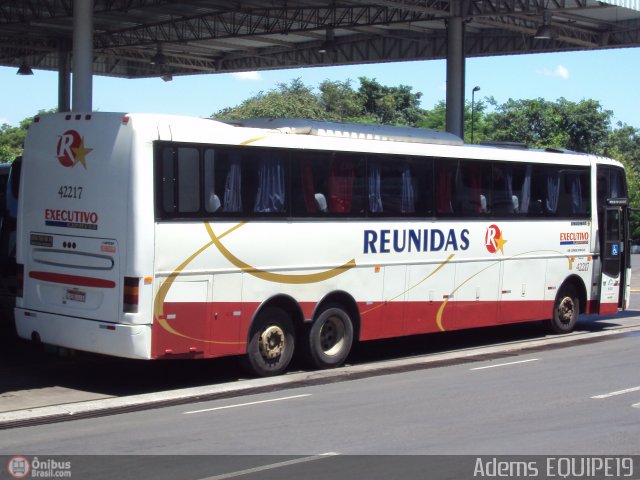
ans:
x=508 y=185
x=211 y=200
x=408 y=193
x=526 y=190
x=232 y=188
x=443 y=198
x=375 y=194
x=270 y=194
x=576 y=195
x=468 y=195
x=553 y=190
x=504 y=201
x=341 y=176
x=617 y=189
x=308 y=189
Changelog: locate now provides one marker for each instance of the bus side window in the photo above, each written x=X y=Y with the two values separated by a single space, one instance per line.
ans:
x=575 y=193
x=423 y=183
x=309 y=183
x=168 y=179
x=346 y=184
x=188 y=180
x=505 y=203
x=270 y=193
x=211 y=200
x=471 y=192
x=444 y=189
x=617 y=184
x=231 y=175
x=391 y=187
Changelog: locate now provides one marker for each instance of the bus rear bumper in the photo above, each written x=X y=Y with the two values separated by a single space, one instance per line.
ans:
x=116 y=339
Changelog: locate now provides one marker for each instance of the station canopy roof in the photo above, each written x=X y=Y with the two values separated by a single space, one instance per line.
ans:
x=145 y=38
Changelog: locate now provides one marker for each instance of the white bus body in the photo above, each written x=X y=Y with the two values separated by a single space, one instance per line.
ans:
x=135 y=239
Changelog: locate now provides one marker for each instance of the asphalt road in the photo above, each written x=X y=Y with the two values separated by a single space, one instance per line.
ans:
x=563 y=400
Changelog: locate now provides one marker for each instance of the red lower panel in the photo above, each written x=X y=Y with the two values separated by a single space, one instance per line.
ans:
x=397 y=319
x=525 y=311
x=608 y=308
x=198 y=330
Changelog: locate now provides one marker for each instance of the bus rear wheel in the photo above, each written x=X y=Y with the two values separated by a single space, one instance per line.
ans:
x=565 y=311
x=271 y=343
x=330 y=338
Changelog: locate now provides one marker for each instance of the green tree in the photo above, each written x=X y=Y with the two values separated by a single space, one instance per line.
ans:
x=11 y=141
x=340 y=101
x=390 y=105
x=436 y=119
x=371 y=103
x=12 y=138
x=286 y=100
x=582 y=126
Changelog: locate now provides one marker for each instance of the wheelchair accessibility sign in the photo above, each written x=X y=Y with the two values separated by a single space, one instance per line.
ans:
x=615 y=249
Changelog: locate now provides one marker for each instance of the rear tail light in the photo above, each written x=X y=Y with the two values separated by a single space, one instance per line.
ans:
x=131 y=294
x=19 y=280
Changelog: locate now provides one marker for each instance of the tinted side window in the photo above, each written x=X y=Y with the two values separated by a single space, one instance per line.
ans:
x=167 y=181
x=207 y=181
x=188 y=180
x=463 y=188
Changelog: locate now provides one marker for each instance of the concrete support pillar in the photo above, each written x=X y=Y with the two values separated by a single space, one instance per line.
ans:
x=64 y=78
x=82 y=55
x=455 y=76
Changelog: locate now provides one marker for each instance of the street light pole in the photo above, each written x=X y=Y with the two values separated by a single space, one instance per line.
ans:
x=473 y=104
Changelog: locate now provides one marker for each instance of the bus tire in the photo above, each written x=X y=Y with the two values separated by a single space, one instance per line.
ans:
x=330 y=338
x=565 y=310
x=271 y=343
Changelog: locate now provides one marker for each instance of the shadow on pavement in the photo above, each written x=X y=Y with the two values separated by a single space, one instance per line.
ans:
x=27 y=366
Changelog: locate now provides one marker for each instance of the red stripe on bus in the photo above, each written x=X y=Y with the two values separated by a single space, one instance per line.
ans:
x=75 y=280
x=608 y=308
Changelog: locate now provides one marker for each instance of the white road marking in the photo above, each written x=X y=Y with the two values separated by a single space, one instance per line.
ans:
x=619 y=392
x=247 y=404
x=505 y=364
x=271 y=466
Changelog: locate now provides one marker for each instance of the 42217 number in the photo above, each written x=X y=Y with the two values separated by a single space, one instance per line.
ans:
x=67 y=191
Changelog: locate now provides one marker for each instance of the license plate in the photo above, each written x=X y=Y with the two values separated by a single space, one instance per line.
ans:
x=75 y=295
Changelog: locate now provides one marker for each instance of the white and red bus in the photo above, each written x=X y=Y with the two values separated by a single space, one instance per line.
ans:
x=155 y=237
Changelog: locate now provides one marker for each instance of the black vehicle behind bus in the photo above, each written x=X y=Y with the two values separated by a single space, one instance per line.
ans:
x=9 y=186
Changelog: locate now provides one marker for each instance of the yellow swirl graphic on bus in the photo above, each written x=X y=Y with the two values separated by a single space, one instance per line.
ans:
x=277 y=277
x=437 y=269
x=569 y=258
x=163 y=291
x=158 y=304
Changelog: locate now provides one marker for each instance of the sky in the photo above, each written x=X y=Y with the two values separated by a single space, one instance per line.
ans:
x=608 y=76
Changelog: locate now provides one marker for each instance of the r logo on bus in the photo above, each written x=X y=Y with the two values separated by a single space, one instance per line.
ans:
x=493 y=239
x=71 y=149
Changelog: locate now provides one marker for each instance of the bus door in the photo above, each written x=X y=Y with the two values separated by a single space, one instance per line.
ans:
x=614 y=251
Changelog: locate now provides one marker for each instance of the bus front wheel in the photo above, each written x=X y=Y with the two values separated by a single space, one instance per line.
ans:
x=565 y=311
x=271 y=343
x=330 y=338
